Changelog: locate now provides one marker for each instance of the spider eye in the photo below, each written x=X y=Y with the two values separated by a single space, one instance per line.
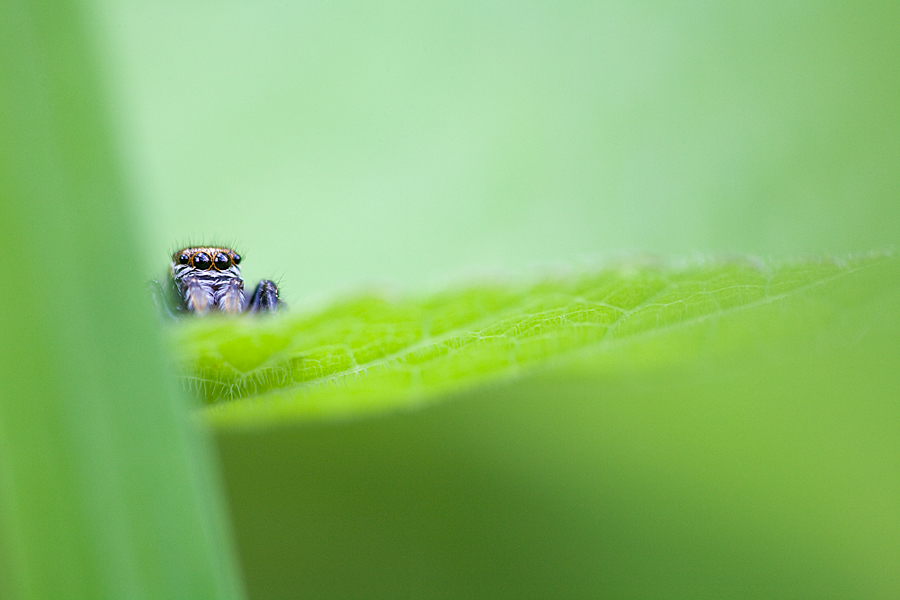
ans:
x=202 y=261
x=222 y=261
x=184 y=259
x=236 y=258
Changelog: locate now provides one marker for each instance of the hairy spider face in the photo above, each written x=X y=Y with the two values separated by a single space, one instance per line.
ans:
x=208 y=278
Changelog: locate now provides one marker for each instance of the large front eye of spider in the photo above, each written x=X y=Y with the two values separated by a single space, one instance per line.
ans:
x=223 y=261
x=202 y=261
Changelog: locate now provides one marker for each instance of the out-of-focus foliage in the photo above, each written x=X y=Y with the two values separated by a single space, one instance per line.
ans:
x=106 y=488
x=339 y=142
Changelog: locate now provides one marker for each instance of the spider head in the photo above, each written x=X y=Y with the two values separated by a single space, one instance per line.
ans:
x=208 y=278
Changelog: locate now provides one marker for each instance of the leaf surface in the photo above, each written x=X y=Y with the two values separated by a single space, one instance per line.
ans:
x=370 y=352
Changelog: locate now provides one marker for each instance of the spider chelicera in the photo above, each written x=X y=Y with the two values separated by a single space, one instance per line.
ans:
x=208 y=279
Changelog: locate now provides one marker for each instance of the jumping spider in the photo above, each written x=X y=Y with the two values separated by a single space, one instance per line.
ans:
x=208 y=278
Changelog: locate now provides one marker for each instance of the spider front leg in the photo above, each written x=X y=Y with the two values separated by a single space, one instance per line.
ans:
x=264 y=298
x=197 y=293
x=229 y=296
x=165 y=299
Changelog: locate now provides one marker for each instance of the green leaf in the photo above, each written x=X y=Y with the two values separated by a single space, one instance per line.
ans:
x=702 y=452
x=370 y=353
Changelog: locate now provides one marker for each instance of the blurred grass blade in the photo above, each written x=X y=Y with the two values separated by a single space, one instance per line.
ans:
x=105 y=486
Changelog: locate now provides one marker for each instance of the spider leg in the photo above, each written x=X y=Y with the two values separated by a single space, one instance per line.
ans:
x=264 y=298
x=229 y=297
x=197 y=297
x=163 y=299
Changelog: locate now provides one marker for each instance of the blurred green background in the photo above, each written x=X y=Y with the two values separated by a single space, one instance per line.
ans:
x=340 y=143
